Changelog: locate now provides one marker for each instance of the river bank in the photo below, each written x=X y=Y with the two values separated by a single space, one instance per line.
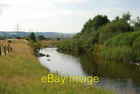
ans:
x=21 y=72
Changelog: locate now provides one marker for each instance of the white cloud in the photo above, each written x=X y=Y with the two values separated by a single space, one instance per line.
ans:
x=70 y=1
x=46 y=15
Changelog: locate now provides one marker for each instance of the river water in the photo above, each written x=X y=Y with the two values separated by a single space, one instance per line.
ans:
x=122 y=78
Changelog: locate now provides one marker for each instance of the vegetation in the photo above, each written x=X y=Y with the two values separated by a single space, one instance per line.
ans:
x=38 y=42
x=20 y=73
x=41 y=37
x=33 y=37
x=110 y=40
x=100 y=38
x=95 y=24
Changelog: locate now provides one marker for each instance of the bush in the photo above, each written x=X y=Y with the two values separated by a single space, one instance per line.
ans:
x=123 y=39
x=117 y=53
x=123 y=46
x=136 y=48
x=79 y=44
x=112 y=29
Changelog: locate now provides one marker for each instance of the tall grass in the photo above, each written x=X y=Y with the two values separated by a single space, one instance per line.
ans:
x=123 y=53
x=123 y=47
x=20 y=73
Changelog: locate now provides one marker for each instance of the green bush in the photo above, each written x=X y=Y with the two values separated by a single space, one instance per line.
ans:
x=123 y=53
x=112 y=29
x=79 y=44
x=136 y=48
x=123 y=39
x=123 y=44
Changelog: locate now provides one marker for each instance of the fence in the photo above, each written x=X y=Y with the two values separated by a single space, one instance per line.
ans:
x=5 y=47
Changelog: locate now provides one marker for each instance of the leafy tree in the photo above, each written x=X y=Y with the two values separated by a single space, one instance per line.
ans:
x=126 y=17
x=95 y=23
x=99 y=21
x=114 y=28
x=137 y=24
x=88 y=27
x=41 y=37
x=33 y=37
x=116 y=19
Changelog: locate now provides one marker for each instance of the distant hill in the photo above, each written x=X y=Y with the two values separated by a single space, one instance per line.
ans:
x=45 y=34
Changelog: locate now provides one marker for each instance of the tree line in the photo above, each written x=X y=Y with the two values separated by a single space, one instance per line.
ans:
x=116 y=39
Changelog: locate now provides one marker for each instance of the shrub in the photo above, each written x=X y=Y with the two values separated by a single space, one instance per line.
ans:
x=123 y=46
x=117 y=53
x=123 y=39
x=112 y=29
x=136 y=48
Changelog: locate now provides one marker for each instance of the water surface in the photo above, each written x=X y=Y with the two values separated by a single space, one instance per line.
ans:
x=124 y=78
x=61 y=63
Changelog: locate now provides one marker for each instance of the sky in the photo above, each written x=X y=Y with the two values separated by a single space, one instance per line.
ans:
x=67 y=16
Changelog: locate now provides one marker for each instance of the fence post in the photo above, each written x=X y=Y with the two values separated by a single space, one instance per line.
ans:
x=5 y=48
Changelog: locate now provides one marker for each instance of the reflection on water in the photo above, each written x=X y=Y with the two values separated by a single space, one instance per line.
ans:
x=121 y=77
x=61 y=63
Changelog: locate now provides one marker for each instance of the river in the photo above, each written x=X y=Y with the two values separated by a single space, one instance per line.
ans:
x=123 y=78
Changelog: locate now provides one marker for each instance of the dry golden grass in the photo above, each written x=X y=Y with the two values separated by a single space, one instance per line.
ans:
x=49 y=42
x=20 y=73
x=20 y=65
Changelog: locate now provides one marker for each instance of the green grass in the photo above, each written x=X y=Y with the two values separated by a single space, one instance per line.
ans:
x=122 y=47
x=20 y=73
x=123 y=53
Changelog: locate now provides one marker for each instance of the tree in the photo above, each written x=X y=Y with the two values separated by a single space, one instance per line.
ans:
x=95 y=23
x=88 y=26
x=116 y=19
x=112 y=29
x=137 y=24
x=126 y=17
x=99 y=21
x=33 y=37
x=41 y=37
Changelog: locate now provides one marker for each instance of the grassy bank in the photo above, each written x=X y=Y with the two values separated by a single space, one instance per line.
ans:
x=20 y=73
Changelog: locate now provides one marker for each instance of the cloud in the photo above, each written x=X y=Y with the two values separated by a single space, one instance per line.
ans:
x=2 y=7
x=70 y=1
x=57 y=15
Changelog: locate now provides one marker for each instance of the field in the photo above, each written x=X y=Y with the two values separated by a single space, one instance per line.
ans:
x=21 y=72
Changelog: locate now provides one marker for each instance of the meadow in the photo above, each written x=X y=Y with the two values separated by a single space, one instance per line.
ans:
x=21 y=72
